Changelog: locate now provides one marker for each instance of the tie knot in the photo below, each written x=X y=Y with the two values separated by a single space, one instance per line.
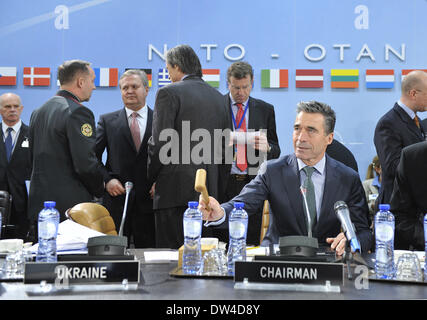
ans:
x=239 y=105
x=308 y=171
x=134 y=115
x=9 y=130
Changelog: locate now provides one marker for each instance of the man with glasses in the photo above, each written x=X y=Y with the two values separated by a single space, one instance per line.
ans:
x=248 y=114
x=399 y=128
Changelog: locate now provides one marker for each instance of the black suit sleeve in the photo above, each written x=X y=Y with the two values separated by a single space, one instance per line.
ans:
x=272 y=138
x=81 y=133
x=100 y=145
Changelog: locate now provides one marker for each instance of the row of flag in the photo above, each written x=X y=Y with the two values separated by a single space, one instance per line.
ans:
x=270 y=78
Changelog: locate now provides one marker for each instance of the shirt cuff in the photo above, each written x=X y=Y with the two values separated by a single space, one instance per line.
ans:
x=217 y=222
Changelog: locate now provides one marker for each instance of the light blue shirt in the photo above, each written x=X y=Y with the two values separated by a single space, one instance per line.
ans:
x=318 y=179
x=408 y=110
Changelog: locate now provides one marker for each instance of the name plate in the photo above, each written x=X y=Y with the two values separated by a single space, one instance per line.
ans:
x=82 y=272
x=289 y=272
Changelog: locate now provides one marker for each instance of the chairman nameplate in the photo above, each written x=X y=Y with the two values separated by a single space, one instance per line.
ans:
x=78 y=272
x=288 y=272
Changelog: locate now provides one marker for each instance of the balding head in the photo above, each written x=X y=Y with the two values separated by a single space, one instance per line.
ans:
x=414 y=90
x=10 y=108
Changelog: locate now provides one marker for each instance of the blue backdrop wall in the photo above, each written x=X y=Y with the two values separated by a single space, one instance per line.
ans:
x=269 y=34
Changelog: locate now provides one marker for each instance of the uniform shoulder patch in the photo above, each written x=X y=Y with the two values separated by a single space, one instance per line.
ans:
x=86 y=130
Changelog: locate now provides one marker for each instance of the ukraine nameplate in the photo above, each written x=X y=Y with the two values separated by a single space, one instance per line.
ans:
x=78 y=272
x=288 y=272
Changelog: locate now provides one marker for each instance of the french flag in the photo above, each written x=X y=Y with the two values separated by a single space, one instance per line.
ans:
x=106 y=77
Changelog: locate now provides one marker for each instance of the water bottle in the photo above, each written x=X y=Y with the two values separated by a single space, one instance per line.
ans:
x=192 y=254
x=47 y=229
x=425 y=248
x=384 y=243
x=238 y=226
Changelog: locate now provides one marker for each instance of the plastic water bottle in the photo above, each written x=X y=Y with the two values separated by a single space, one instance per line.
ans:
x=384 y=243
x=48 y=230
x=425 y=247
x=192 y=254
x=238 y=226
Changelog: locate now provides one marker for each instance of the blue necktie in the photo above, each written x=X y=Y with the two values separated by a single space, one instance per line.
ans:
x=8 y=143
x=310 y=195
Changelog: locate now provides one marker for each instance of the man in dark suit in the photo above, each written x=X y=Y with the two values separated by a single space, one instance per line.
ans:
x=125 y=133
x=399 y=128
x=248 y=114
x=325 y=181
x=15 y=165
x=340 y=152
x=408 y=200
x=62 y=144
x=188 y=115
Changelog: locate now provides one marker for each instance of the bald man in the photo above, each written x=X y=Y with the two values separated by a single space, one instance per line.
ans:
x=15 y=165
x=399 y=128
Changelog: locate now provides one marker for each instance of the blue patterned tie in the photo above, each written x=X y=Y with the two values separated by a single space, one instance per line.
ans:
x=310 y=195
x=8 y=143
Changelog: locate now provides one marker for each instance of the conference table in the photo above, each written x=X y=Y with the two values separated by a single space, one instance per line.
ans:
x=156 y=283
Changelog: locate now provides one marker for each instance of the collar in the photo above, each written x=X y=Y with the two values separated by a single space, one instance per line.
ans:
x=16 y=127
x=408 y=110
x=141 y=112
x=234 y=102
x=319 y=166
x=63 y=92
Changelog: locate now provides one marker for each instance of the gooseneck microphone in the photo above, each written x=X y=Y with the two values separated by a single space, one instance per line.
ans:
x=303 y=191
x=128 y=188
x=343 y=214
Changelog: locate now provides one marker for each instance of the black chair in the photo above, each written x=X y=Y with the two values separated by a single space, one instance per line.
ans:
x=7 y=230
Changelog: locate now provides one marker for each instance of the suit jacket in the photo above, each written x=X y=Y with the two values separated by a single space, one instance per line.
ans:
x=394 y=131
x=408 y=200
x=123 y=161
x=14 y=173
x=261 y=116
x=279 y=183
x=62 y=146
x=339 y=152
x=180 y=109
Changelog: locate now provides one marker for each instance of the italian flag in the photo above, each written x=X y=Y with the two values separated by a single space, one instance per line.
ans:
x=274 y=78
x=211 y=76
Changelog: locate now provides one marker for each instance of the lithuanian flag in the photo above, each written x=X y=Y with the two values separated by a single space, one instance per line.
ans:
x=344 y=78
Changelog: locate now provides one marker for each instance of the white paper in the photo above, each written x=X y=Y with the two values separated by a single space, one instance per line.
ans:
x=162 y=255
x=238 y=137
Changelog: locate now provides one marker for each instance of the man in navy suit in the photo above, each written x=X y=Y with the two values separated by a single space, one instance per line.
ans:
x=15 y=164
x=398 y=128
x=125 y=133
x=279 y=181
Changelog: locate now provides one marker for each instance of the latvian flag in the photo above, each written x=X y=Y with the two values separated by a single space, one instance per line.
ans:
x=344 y=78
x=7 y=76
x=106 y=77
x=274 y=78
x=148 y=72
x=164 y=77
x=379 y=79
x=211 y=76
x=406 y=71
x=309 y=78
x=34 y=76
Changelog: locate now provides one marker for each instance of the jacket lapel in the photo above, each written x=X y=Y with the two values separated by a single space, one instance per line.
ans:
x=123 y=126
x=410 y=123
x=2 y=147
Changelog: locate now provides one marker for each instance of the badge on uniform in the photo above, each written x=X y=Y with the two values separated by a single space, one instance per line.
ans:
x=86 y=130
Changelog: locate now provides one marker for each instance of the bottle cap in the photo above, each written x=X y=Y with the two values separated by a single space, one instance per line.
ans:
x=384 y=207
x=49 y=204
x=239 y=205
x=193 y=204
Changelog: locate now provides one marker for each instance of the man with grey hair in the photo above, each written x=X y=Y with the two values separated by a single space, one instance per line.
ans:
x=62 y=144
x=399 y=128
x=188 y=105
x=124 y=134
x=15 y=164
x=309 y=172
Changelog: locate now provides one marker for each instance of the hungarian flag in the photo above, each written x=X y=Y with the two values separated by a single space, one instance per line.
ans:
x=34 y=76
x=379 y=79
x=344 y=78
x=274 y=78
x=406 y=71
x=309 y=78
x=211 y=76
x=106 y=77
x=148 y=72
x=7 y=76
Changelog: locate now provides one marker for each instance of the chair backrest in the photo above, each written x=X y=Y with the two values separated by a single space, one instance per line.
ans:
x=5 y=205
x=265 y=220
x=93 y=216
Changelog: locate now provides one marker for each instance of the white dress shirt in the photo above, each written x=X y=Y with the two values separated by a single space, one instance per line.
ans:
x=15 y=132
x=141 y=119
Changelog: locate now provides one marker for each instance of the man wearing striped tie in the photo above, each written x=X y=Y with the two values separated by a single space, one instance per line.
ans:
x=399 y=128
x=15 y=165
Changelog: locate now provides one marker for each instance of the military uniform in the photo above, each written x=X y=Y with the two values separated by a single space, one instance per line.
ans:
x=62 y=145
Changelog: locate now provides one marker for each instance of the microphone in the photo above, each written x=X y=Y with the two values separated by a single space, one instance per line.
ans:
x=303 y=191
x=128 y=188
x=343 y=214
